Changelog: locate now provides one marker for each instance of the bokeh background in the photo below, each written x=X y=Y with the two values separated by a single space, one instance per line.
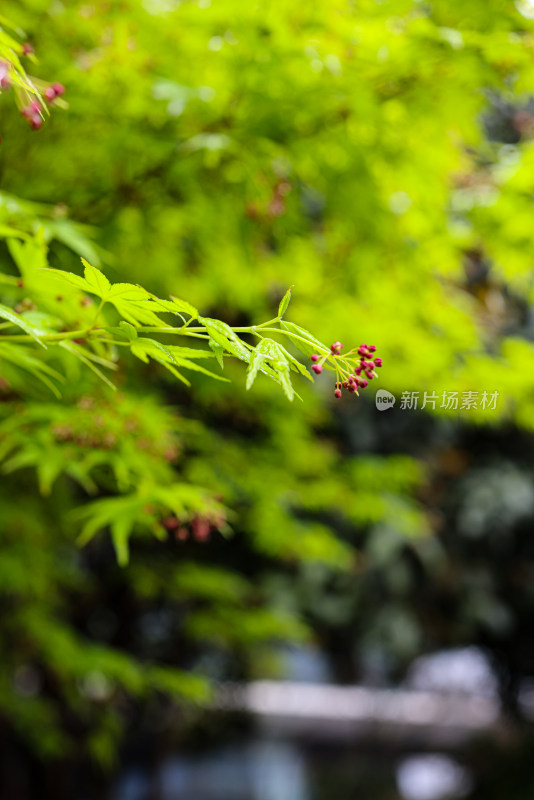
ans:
x=367 y=628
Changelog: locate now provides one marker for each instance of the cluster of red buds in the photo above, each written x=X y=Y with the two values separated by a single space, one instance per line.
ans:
x=33 y=114
x=54 y=90
x=199 y=529
x=34 y=110
x=25 y=305
x=350 y=368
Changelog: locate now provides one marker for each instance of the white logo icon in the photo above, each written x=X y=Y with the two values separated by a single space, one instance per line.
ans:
x=384 y=400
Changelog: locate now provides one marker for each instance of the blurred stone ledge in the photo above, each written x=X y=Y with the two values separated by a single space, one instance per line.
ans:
x=322 y=711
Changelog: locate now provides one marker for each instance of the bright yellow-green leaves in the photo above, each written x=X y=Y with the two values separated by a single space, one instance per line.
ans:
x=96 y=343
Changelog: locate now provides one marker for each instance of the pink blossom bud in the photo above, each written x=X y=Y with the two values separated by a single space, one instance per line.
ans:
x=337 y=393
x=314 y=357
x=363 y=383
x=50 y=94
x=317 y=368
x=201 y=529
x=5 y=81
x=371 y=348
x=59 y=89
x=377 y=361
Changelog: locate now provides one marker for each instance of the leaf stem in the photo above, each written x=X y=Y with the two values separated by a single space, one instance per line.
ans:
x=293 y=336
x=98 y=310
x=47 y=337
x=181 y=331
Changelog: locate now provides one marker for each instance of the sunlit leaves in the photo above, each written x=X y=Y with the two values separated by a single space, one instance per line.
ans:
x=222 y=335
x=20 y=322
x=140 y=511
x=255 y=365
x=303 y=339
x=282 y=308
x=270 y=357
x=21 y=358
x=96 y=281
x=98 y=344
x=172 y=357
x=274 y=360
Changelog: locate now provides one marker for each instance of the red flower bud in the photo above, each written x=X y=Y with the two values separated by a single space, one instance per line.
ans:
x=201 y=529
x=314 y=357
x=317 y=368
x=5 y=81
x=337 y=393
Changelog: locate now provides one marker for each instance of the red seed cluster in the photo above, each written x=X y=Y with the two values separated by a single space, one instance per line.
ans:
x=33 y=113
x=34 y=110
x=53 y=91
x=353 y=370
x=199 y=529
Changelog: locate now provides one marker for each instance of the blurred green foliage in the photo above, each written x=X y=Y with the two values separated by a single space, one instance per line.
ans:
x=220 y=152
